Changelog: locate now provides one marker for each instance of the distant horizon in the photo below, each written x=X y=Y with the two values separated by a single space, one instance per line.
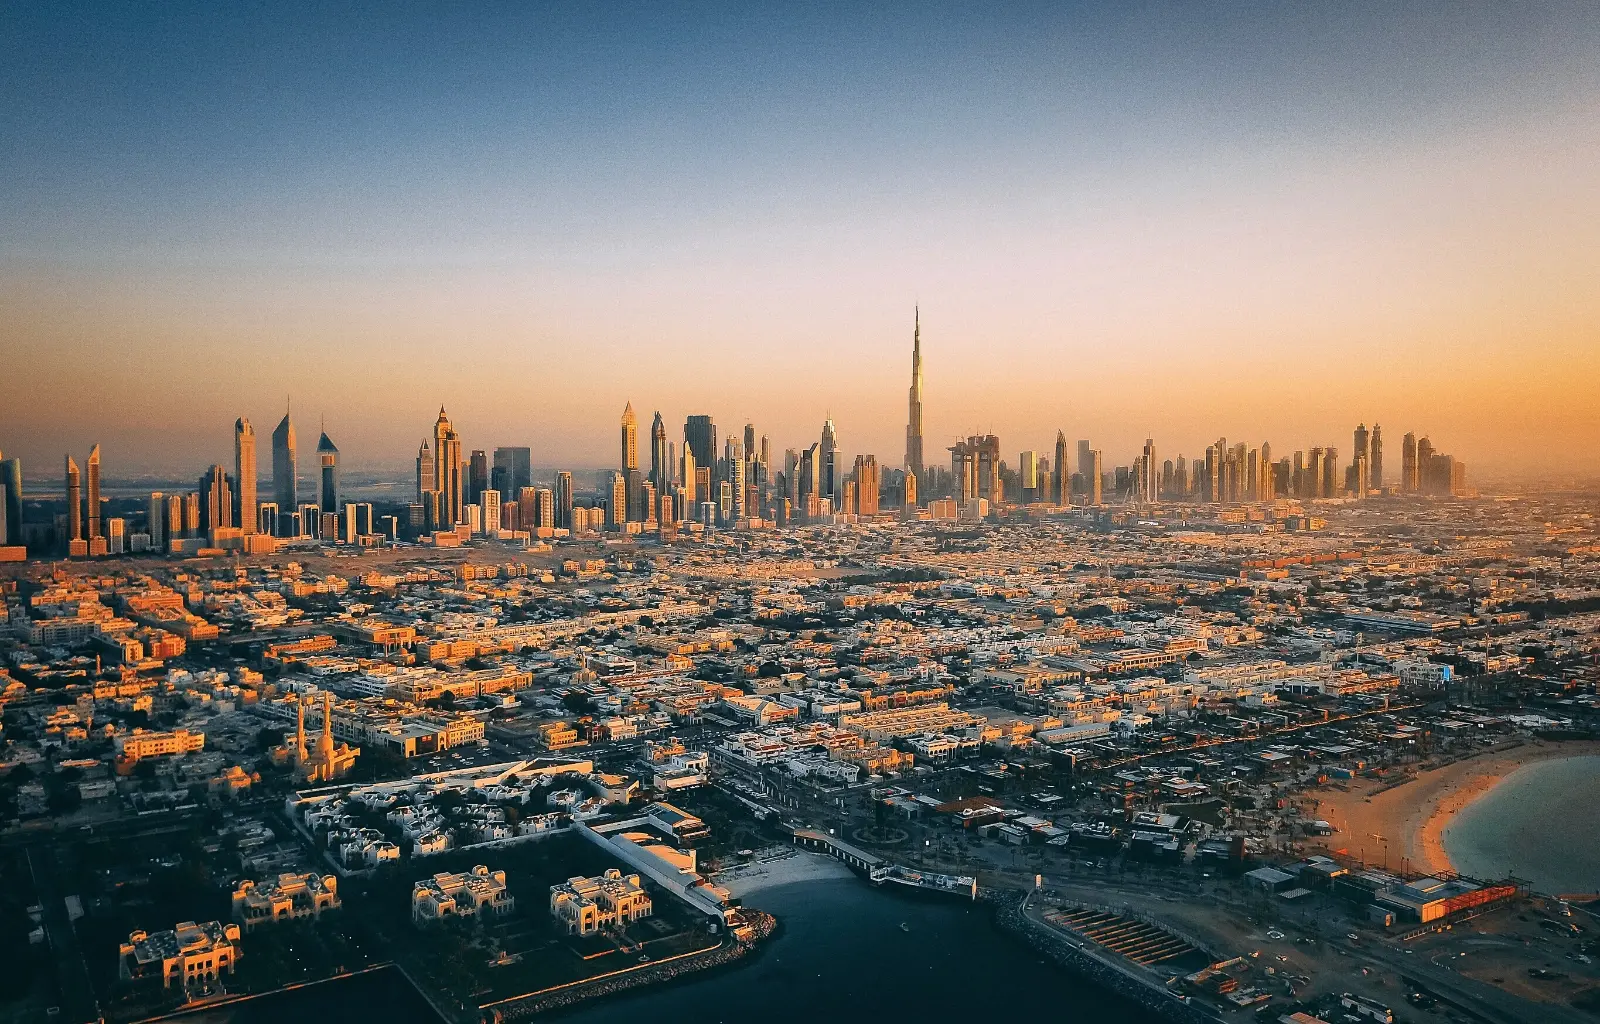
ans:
x=1167 y=220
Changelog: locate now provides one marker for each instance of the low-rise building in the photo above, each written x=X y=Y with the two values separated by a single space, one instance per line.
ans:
x=288 y=897
x=189 y=955
x=461 y=894
x=602 y=902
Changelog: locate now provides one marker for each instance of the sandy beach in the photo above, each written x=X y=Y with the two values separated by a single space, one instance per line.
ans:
x=1402 y=827
x=779 y=866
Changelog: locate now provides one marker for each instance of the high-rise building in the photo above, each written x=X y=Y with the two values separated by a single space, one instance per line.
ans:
x=216 y=501
x=191 y=514
x=1028 y=476
x=830 y=461
x=447 y=471
x=1360 y=460
x=285 y=467
x=660 y=461
x=328 y=458
x=74 y=502
x=1149 y=484
x=1063 y=480
x=491 y=510
x=691 y=478
x=734 y=477
x=808 y=487
x=630 y=439
x=975 y=462
x=244 y=474
x=617 y=506
x=1376 y=462
x=563 y=500
x=1094 y=480
x=11 y=482
x=914 y=411
x=92 y=499
x=700 y=436
x=1330 y=473
x=477 y=476
x=867 y=484
x=174 y=517
x=155 y=515
x=425 y=470
x=1408 y=464
x=513 y=470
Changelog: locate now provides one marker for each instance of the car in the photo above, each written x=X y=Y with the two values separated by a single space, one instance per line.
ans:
x=1282 y=958
x=1274 y=934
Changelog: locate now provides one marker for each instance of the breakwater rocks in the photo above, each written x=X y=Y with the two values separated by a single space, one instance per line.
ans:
x=1009 y=916
x=761 y=927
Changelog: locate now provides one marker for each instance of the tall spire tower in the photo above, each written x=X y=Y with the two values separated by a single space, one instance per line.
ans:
x=914 y=420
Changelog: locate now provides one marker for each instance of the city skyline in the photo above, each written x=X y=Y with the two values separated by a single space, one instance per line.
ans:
x=1382 y=216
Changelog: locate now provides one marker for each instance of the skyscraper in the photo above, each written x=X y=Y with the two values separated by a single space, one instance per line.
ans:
x=1375 y=463
x=93 y=497
x=174 y=517
x=285 y=468
x=447 y=471
x=660 y=461
x=914 y=412
x=216 y=501
x=513 y=470
x=328 y=456
x=690 y=478
x=630 y=439
x=74 y=502
x=155 y=514
x=975 y=463
x=1408 y=464
x=1361 y=461
x=700 y=435
x=1149 y=485
x=867 y=484
x=244 y=473
x=1063 y=481
x=477 y=476
x=425 y=470
x=1027 y=476
x=11 y=482
x=563 y=498
x=830 y=461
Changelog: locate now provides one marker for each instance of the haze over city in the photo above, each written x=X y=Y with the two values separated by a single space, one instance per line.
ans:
x=1169 y=221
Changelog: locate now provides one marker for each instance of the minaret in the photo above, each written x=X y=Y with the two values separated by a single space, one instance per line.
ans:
x=325 y=741
x=300 y=754
x=914 y=420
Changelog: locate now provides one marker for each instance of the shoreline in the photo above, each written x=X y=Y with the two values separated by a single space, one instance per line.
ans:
x=1402 y=825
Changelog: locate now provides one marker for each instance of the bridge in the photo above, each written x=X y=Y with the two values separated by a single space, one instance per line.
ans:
x=854 y=856
x=880 y=871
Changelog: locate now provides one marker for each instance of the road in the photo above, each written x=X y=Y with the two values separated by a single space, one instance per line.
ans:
x=76 y=994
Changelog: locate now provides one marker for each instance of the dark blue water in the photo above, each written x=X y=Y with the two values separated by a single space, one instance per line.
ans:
x=841 y=957
x=1538 y=824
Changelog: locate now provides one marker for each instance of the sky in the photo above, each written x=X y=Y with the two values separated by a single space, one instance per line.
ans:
x=1121 y=220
